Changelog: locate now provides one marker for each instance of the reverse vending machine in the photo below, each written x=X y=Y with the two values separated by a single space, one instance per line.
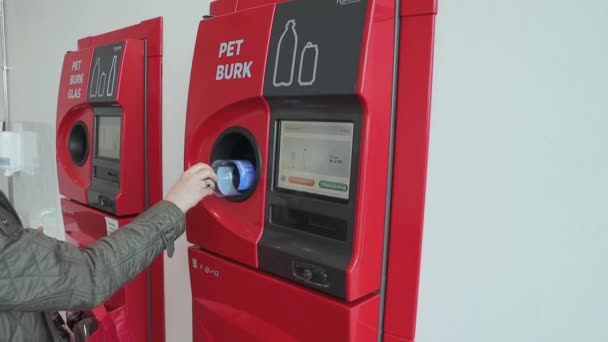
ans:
x=329 y=102
x=109 y=155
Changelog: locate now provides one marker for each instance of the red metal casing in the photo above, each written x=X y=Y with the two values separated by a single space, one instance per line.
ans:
x=374 y=90
x=410 y=168
x=222 y=7
x=73 y=180
x=235 y=303
x=84 y=225
x=215 y=106
x=227 y=228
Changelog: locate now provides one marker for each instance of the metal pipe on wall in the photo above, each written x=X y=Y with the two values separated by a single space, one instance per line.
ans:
x=5 y=68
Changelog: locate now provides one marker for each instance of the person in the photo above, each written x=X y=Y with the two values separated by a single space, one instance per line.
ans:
x=39 y=274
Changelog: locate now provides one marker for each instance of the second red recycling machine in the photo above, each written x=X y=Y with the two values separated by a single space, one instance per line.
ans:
x=109 y=125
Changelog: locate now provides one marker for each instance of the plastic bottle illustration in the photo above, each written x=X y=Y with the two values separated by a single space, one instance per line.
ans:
x=95 y=79
x=101 y=84
x=112 y=76
x=285 y=62
x=308 y=64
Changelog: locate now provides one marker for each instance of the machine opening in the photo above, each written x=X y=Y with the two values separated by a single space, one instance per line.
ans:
x=78 y=143
x=237 y=143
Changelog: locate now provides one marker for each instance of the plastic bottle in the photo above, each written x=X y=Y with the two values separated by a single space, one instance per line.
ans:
x=234 y=177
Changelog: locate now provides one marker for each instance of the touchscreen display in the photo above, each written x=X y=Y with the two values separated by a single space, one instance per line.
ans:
x=108 y=137
x=315 y=157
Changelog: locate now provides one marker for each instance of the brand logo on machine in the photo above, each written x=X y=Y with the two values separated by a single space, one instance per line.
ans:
x=236 y=70
x=212 y=272
x=67 y=210
x=208 y=270
x=347 y=2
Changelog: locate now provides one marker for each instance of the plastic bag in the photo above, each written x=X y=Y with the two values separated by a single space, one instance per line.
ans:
x=106 y=332
x=97 y=325
x=119 y=318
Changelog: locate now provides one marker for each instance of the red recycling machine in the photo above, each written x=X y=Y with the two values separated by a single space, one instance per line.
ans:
x=109 y=131
x=329 y=100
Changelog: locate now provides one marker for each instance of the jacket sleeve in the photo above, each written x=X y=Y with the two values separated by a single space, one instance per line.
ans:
x=39 y=273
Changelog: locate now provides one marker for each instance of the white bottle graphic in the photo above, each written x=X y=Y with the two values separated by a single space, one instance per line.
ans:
x=112 y=77
x=285 y=62
x=95 y=79
x=308 y=64
x=102 y=84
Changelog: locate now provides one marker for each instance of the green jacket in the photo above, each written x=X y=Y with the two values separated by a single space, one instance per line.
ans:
x=39 y=274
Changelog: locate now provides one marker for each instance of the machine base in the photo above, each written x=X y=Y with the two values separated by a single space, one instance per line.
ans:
x=234 y=303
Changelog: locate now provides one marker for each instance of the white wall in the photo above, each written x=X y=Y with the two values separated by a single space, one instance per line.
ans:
x=4 y=184
x=516 y=235
x=3 y=117
x=40 y=32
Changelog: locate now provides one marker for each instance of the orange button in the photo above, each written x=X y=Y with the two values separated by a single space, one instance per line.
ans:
x=302 y=181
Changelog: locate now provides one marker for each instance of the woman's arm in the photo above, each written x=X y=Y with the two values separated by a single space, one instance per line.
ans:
x=39 y=273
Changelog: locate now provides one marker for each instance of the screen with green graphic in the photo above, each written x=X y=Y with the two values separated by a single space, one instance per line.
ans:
x=315 y=157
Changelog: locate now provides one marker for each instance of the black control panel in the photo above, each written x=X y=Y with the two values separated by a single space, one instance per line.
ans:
x=312 y=191
x=105 y=183
x=310 y=83
x=107 y=126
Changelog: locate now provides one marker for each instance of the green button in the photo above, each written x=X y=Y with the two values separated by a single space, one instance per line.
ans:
x=333 y=186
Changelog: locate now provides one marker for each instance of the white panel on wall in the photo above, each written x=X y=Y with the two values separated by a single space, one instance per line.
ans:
x=4 y=184
x=35 y=189
x=516 y=235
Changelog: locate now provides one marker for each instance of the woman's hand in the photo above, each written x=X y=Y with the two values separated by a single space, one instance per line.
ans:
x=195 y=184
